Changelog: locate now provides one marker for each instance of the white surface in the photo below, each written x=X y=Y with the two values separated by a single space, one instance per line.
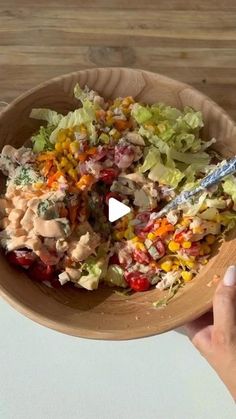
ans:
x=47 y=375
x=116 y=209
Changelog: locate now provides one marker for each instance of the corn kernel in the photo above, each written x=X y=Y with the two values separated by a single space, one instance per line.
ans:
x=74 y=147
x=135 y=239
x=129 y=233
x=65 y=145
x=210 y=239
x=73 y=173
x=140 y=246
x=151 y=236
x=186 y=245
x=69 y=156
x=187 y=276
x=118 y=235
x=58 y=147
x=166 y=266
x=173 y=246
x=64 y=162
x=61 y=136
x=185 y=223
x=190 y=264
x=175 y=267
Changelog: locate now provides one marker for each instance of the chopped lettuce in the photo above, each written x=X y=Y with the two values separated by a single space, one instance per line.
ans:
x=115 y=276
x=81 y=94
x=192 y=118
x=94 y=269
x=52 y=117
x=210 y=214
x=165 y=175
x=141 y=113
x=192 y=207
x=41 y=140
x=152 y=157
x=229 y=187
x=84 y=115
x=228 y=219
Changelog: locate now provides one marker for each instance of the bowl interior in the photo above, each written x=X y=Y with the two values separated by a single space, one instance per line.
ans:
x=104 y=314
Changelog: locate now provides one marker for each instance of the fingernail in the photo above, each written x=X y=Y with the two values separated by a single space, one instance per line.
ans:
x=230 y=276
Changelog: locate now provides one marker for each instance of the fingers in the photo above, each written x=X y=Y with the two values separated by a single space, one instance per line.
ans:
x=195 y=326
x=224 y=307
x=199 y=331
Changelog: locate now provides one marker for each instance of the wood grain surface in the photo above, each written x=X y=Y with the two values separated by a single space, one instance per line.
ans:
x=193 y=41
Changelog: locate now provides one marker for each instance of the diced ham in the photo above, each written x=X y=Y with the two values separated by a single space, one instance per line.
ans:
x=124 y=156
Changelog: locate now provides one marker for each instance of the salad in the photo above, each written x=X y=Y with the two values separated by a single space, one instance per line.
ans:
x=54 y=212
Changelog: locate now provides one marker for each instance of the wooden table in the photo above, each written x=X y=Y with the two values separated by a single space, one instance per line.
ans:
x=190 y=40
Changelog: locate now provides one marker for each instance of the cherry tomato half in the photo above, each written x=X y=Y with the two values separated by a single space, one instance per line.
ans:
x=137 y=281
x=39 y=271
x=108 y=175
x=23 y=258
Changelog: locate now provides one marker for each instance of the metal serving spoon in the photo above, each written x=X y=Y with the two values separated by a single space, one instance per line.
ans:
x=214 y=177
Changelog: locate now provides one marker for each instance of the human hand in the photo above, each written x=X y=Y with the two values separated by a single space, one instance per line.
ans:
x=214 y=334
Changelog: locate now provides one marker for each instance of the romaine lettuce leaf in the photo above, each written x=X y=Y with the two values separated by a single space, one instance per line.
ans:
x=229 y=187
x=141 y=113
x=228 y=219
x=84 y=115
x=152 y=157
x=115 y=276
x=52 y=117
x=165 y=175
x=192 y=207
x=41 y=139
x=192 y=118
x=94 y=268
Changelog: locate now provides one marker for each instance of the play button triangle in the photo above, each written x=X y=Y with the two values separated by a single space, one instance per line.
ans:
x=116 y=209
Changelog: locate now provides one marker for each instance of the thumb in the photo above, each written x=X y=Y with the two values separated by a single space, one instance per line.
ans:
x=224 y=308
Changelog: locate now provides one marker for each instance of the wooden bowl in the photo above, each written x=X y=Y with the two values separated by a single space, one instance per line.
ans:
x=103 y=314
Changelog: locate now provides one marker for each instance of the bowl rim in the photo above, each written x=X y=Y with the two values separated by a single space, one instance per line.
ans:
x=59 y=326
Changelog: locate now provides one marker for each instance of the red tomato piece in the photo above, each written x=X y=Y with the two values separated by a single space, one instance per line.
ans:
x=160 y=248
x=108 y=175
x=149 y=226
x=137 y=281
x=39 y=271
x=143 y=216
x=24 y=258
x=141 y=256
x=179 y=237
x=139 y=232
x=114 y=260
x=194 y=250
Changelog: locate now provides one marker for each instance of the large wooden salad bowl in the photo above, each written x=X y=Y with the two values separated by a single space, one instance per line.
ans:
x=104 y=314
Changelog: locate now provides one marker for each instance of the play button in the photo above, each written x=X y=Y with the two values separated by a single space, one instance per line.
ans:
x=116 y=209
